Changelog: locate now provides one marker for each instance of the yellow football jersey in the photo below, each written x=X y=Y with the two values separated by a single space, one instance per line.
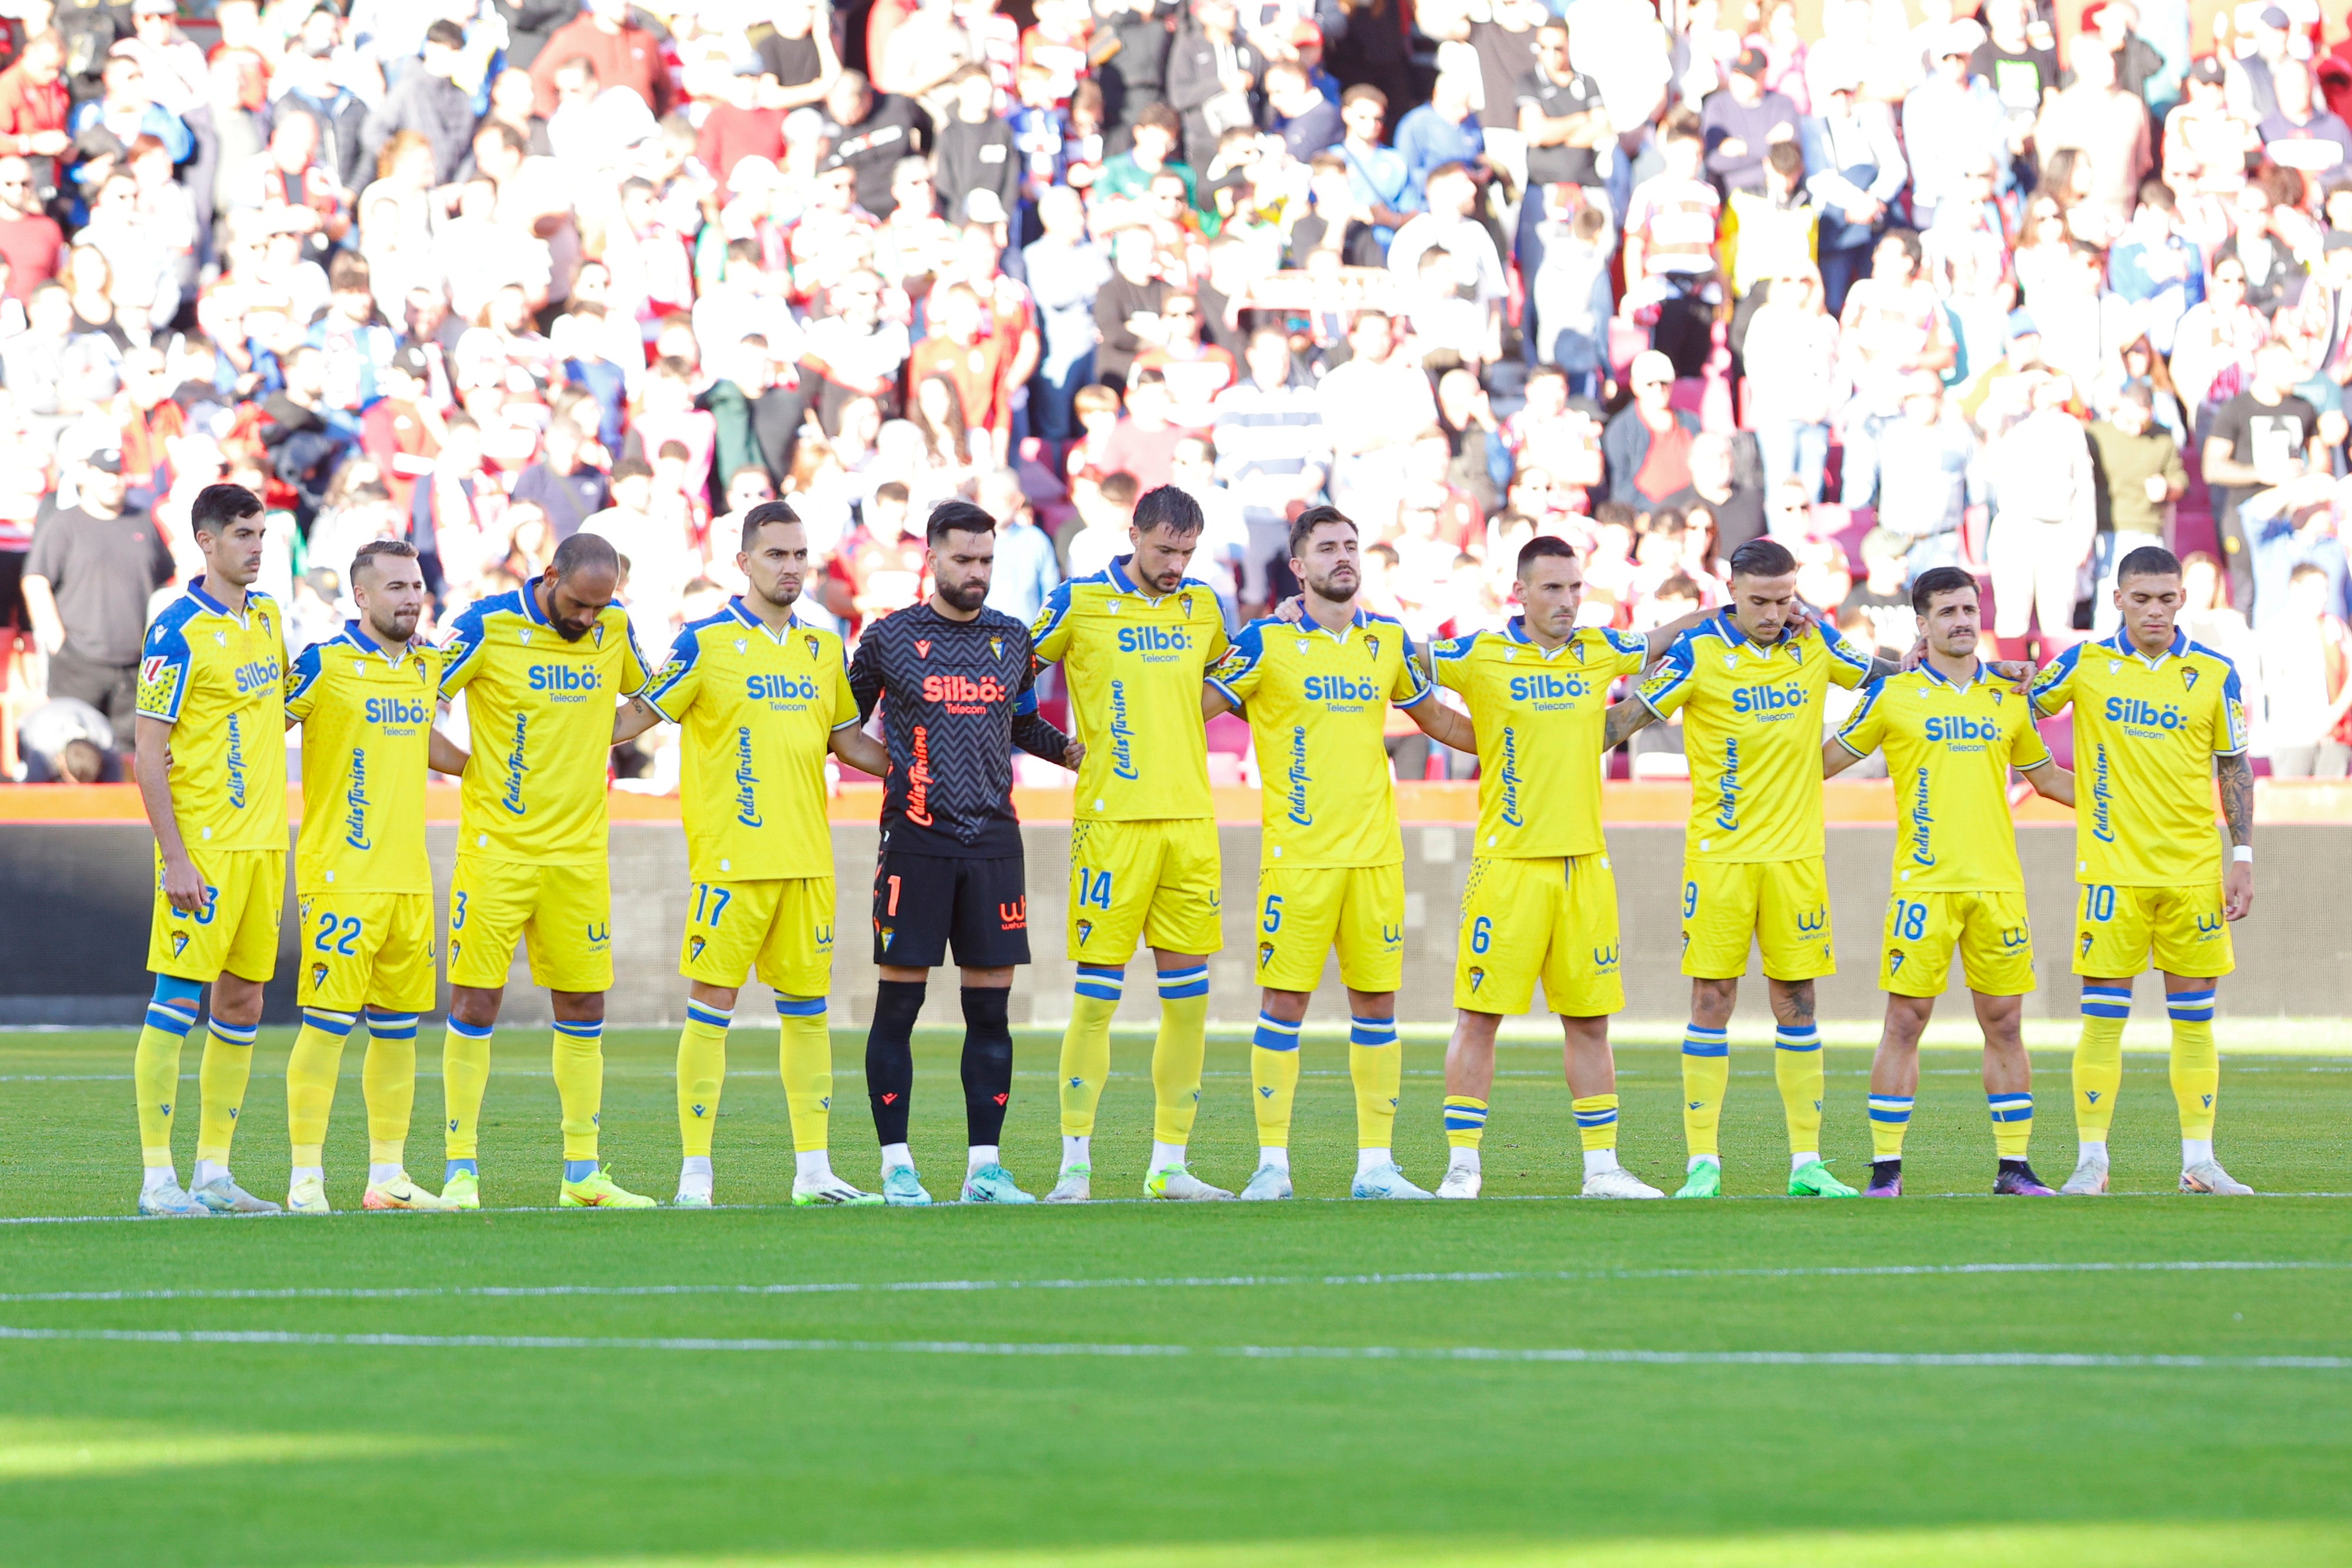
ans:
x=1134 y=663
x=759 y=710
x=1950 y=750
x=1540 y=717
x=540 y=711
x=218 y=679
x=1316 y=704
x=367 y=725
x=1752 y=730
x=2145 y=734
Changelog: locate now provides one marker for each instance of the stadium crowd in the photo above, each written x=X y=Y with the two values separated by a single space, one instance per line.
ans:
x=484 y=274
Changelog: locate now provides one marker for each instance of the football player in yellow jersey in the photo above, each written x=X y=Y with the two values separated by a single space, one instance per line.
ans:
x=211 y=766
x=541 y=668
x=761 y=697
x=1332 y=868
x=1951 y=730
x=2156 y=718
x=1751 y=681
x=362 y=887
x=1541 y=902
x=1134 y=642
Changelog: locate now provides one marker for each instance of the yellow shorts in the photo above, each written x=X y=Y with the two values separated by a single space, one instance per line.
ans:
x=237 y=934
x=1554 y=919
x=2116 y=929
x=564 y=912
x=366 y=950
x=782 y=928
x=1990 y=928
x=1303 y=912
x=1782 y=905
x=1159 y=881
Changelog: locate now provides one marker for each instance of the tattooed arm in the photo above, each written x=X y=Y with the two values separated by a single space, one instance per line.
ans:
x=2237 y=776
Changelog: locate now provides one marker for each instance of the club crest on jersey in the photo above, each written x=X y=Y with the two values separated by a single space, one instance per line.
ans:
x=1184 y=603
x=811 y=643
x=1372 y=644
x=1796 y=653
x=996 y=647
x=2188 y=677
x=597 y=633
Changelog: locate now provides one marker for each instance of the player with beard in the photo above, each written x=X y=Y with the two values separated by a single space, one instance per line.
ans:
x=955 y=684
x=1332 y=873
x=762 y=696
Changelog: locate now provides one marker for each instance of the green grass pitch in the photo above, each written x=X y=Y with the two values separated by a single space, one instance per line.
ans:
x=1133 y=1386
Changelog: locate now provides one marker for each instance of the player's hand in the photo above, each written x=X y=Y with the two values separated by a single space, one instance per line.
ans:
x=2019 y=671
x=1293 y=609
x=1802 y=618
x=2238 y=890
x=1073 y=754
x=184 y=886
x=1917 y=657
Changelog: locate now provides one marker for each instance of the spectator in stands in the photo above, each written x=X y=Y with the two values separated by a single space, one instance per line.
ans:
x=87 y=581
x=1648 y=441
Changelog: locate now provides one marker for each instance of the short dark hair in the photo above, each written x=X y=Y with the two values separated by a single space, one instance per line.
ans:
x=1763 y=558
x=584 y=552
x=219 y=505
x=397 y=549
x=2148 y=561
x=1303 y=526
x=1364 y=92
x=1162 y=117
x=1118 y=487
x=1941 y=580
x=761 y=515
x=1166 y=506
x=631 y=468
x=446 y=34
x=957 y=517
x=1543 y=547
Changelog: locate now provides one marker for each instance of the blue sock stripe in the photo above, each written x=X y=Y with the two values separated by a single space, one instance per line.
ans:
x=236 y=1034
x=1799 y=1037
x=2107 y=1001
x=1275 y=1035
x=703 y=1013
x=581 y=1031
x=1100 y=983
x=799 y=1006
x=1697 y=1041
x=1461 y=1119
x=1196 y=972
x=336 y=1024
x=1179 y=991
x=465 y=1030
x=171 y=1021
x=1890 y=1108
x=391 y=1026
x=2010 y=1107
x=1596 y=1118
x=1371 y=1031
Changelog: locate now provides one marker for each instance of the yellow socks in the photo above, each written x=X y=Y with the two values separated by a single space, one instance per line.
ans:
x=1273 y=1073
x=2099 y=1060
x=155 y=1067
x=1085 y=1046
x=579 y=1084
x=1465 y=1121
x=1706 y=1074
x=701 y=1077
x=804 y=1054
x=1177 y=1052
x=1376 y=1065
x=1797 y=1068
x=1596 y=1121
x=228 y=1062
x=310 y=1071
x=2012 y=1123
x=2196 y=1065
x=388 y=1079
x=1890 y=1118
x=465 y=1073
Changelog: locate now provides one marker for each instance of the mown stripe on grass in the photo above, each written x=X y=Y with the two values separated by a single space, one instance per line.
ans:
x=1197 y=1282
x=1569 y=1355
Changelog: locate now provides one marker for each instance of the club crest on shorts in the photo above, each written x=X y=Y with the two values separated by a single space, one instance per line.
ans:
x=1264 y=954
x=884 y=933
x=1477 y=978
x=318 y=975
x=1086 y=929
x=694 y=946
x=179 y=943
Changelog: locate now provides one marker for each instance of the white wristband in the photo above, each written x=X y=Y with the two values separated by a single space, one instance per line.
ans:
x=2243 y=854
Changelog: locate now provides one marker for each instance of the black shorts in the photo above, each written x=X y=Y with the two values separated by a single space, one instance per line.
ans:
x=922 y=903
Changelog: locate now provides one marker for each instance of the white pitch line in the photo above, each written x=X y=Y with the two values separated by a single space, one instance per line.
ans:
x=1220 y=1282
x=1955 y=1359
